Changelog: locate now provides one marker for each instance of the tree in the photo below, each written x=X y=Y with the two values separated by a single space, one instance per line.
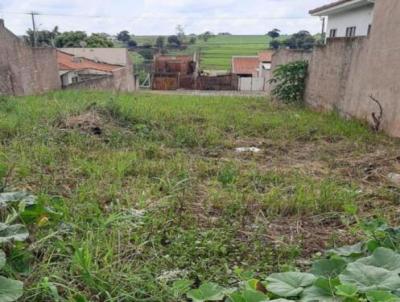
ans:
x=180 y=33
x=206 y=36
x=274 y=34
x=99 y=40
x=132 y=43
x=160 y=42
x=147 y=54
x=174 y=41
x=81 y=39
x=147 y=45
x=192 y=40
x=124 y=36
x=301 y=40
x=70 y=39
x=44 y=38
x=275 y=44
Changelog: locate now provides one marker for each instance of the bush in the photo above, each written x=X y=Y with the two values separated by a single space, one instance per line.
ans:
x=290 y=82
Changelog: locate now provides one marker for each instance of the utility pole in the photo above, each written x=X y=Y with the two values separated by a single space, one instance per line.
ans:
x=33 y=14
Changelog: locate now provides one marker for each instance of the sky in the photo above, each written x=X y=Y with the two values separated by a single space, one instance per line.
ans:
x=160 y=17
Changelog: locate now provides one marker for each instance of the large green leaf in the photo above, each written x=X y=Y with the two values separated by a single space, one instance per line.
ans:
x=368 y=278
x=346 y=290
x=207 y=292
x=316 y=294
x=15 y=232
x=289 y=284
x=236 y=297
x=248 y=295
x=381 y=296
x=181 y=287
x=10 y=290
x=329 y=268
x=2 y=259
x=384 y=258
x=348 y=251
x=322 y=290
x=11 y=197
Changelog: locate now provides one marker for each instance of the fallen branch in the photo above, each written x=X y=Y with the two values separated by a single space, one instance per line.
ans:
x=377 y=119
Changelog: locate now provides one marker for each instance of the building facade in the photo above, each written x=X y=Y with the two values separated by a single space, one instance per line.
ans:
x=346 y=18
x=175 y=72
x=111 y=68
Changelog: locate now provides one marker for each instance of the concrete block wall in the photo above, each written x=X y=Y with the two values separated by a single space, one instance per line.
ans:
x=26 y=70
x=346 y=72
x=331 y=72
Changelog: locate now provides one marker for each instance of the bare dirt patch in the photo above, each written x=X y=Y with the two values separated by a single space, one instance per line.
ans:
x=90 y=122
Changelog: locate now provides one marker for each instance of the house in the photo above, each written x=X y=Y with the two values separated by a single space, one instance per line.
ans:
x=73 y=69
x=25 y=70
x=245 y=66
x=346 y=18
x=174 y=72
x=253 y=72
x=252 y=66
x=96 y=68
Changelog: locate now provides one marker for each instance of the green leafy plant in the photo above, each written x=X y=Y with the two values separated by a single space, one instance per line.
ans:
x=10 y=232
x=348 y=274
x=289 y=82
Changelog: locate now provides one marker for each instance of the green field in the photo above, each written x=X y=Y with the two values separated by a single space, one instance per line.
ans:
x=217 y=52
x=139 y=190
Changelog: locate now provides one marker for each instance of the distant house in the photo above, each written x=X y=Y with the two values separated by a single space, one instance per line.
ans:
x=245 y=66
x=96 y=68
x=346 y=18
x=252 y=66
x=253 y=72
x=174 y=72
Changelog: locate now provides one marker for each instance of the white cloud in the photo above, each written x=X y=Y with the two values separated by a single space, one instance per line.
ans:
x=162 y=16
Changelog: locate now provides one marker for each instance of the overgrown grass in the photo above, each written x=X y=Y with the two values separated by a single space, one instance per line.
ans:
x=162 y=194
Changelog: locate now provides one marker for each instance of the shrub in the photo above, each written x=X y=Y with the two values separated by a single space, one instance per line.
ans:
x=290 y=81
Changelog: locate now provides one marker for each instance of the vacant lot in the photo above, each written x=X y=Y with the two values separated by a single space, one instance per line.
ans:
x=147 y=189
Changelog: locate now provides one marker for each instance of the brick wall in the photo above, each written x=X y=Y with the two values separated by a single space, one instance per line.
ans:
x=223 y=82
x=26 y=70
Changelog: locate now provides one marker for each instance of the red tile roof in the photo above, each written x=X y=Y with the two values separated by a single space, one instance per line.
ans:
x=327 y=6
x=69 y=62
x=245 y=65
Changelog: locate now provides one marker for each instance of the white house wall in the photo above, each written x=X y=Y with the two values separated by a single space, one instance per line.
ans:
x=359 y=17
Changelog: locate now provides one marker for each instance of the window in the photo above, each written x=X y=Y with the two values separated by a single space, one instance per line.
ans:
x=266 y=66
x=351 y=31
x=332 y=33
